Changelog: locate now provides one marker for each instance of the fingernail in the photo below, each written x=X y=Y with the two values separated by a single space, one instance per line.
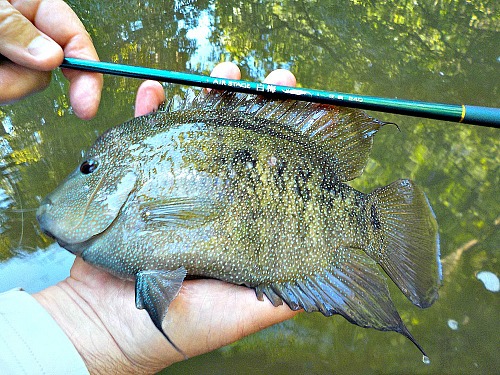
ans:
x=43 y=48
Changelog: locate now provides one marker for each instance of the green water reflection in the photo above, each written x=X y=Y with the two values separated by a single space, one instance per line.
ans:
x=444 y=51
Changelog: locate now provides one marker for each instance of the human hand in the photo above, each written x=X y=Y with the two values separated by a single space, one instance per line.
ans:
x=34 y=37
x=97 y=310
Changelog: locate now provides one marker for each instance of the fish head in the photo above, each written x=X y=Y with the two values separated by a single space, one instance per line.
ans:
x=90 y=199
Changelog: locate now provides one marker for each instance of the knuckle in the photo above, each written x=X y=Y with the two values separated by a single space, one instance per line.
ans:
x=13 y=26
x=8 y=15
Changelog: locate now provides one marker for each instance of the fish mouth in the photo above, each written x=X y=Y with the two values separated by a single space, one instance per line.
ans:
x=44 y=219
x=47 y=222
x=73 y=247
x=76 y=248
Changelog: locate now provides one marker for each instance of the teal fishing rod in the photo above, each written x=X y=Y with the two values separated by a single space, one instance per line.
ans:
x=466 y=114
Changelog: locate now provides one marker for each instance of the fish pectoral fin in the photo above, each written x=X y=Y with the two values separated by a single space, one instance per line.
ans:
x=154 y=291
x=353 y=287
x=179 y=211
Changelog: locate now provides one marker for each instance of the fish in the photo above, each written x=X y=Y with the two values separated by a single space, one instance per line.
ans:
x=252 y=191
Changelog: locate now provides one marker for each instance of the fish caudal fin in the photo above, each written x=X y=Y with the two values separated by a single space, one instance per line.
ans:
x=403 y=217
x=353 y=286
x=154 y=291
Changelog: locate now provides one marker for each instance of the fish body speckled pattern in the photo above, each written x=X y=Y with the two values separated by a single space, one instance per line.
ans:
x=251 y=191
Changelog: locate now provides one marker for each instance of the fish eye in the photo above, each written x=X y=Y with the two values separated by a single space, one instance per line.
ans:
x=88 y=166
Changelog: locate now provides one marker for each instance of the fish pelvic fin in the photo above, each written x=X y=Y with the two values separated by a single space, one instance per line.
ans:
x=353 y=286
x=154 y=291
x=401 y=214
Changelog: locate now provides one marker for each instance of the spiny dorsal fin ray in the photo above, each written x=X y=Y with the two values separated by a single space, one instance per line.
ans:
x=177 y=102
x=343 y=136
x=353 y=287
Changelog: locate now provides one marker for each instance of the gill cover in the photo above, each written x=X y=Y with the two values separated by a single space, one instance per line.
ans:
x=85 y=204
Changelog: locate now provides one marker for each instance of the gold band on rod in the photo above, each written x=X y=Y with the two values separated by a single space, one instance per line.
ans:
x=463 y=114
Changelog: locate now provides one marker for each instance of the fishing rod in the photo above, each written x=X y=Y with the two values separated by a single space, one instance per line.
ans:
x=466 y=114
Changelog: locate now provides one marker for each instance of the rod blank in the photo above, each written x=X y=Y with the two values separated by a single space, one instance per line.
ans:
x=484 y=116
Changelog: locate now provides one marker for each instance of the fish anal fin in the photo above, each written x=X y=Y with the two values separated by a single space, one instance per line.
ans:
x=154 y=291
x=268 y=291
x=410 y=250
x=354 y=287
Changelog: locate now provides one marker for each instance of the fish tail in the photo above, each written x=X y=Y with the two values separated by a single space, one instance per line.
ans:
x=402 y=217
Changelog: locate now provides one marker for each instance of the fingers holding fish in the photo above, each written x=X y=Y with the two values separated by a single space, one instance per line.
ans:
x=281 y=77
x=231 y=71
x=226 y=69
x=208 y=314
x=151 y=94
x=149 y=97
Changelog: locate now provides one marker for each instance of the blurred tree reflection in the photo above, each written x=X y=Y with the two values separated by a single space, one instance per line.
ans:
x=343 y=44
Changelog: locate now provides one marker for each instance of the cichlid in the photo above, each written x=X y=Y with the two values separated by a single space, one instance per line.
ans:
x=251 y=191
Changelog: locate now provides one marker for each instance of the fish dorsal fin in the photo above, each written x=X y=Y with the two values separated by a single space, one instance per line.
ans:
x=353 y=287
x=343 y=136
x=178 y=102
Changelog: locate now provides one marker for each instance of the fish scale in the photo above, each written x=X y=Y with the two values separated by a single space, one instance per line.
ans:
x=250 y=191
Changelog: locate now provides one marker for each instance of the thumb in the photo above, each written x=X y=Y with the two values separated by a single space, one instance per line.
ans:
x=22 y=43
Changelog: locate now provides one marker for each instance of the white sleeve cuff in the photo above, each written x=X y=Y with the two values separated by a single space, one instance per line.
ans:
x=31 y=341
